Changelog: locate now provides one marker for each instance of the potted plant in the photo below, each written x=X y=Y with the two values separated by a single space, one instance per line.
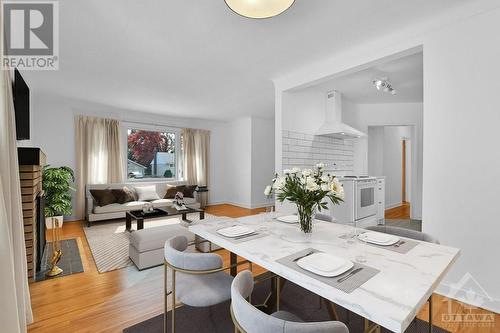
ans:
x=307 y=189
x=56 y=183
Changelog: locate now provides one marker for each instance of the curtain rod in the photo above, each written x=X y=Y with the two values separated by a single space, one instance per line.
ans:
x=149 y=124
x=159 y=124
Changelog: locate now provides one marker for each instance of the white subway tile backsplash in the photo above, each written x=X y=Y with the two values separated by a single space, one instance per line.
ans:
x=305 y=150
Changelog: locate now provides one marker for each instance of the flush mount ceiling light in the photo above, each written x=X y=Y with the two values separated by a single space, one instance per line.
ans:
x=259 y=9
x=383 y=84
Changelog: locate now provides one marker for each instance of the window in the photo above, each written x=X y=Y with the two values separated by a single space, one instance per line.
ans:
x=151 y=154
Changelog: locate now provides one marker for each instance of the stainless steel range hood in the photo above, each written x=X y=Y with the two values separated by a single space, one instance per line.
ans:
x=333 y=126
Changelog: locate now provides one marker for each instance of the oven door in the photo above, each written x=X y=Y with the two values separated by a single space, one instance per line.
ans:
x=365 y=198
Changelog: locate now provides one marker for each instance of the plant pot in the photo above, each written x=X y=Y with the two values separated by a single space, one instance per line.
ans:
x=48 y=221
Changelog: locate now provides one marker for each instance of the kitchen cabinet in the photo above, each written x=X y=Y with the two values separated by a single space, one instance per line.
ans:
x=380 y=199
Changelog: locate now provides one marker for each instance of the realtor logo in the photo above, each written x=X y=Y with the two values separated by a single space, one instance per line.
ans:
x=469 y=312
x=31 y=35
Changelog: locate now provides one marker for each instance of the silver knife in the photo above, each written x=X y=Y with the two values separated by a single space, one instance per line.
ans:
x=357 y=270
x=305 y=255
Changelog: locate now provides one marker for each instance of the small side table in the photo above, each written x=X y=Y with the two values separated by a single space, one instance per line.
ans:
x=202 y=192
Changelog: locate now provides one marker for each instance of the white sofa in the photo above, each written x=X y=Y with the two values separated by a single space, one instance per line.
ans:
x=96 y=213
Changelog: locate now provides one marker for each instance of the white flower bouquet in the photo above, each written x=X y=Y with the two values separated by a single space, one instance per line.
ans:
x=307 y=189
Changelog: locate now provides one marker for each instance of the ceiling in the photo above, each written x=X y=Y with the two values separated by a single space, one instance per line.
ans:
x=199 y=59
x=405 y=74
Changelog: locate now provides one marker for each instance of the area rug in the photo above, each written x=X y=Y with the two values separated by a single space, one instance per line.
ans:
x=70 y=261
x=108 y=241
x=293 y=298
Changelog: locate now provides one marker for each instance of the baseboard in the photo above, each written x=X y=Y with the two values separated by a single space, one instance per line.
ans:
x=393 y=205
x=243 y=205
x=484 y=301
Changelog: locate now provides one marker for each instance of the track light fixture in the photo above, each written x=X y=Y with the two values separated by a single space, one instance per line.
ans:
x=383 y=84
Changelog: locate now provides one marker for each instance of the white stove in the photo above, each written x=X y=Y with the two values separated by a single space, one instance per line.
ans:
x=359 y=205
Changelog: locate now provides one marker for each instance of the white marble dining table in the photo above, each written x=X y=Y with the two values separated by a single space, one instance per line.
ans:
x=391 y=298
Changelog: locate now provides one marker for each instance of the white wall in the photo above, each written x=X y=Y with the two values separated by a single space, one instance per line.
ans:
x=53 y=131
x=239 y=165
x=376 y=150
x=262 y=159
x=303 y=111
x=460 y=159
x=461 y=136
x=362 y=116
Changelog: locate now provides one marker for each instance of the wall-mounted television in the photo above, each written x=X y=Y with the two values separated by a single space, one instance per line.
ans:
x=21 y=97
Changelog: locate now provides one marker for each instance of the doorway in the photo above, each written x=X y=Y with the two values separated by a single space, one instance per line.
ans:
x=390 y=155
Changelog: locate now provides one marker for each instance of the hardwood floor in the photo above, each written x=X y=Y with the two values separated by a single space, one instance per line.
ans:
x=400 y=212
x=112 y=301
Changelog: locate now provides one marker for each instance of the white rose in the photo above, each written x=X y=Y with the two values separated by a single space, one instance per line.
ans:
x=325 y=179
x=324 y=187
x=287 y=171
x=295 y=170
x=307 y=172
x=340 y=193
x=268 y=190
x=337 y=189
x=279 y=183
x=311 y=185
x=320 y=165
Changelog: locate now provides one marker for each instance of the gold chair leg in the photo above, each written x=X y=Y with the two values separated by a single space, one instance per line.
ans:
x=373 y=328
x=165 y=299
x=173 y=301
x=330 y=307
x=430 y=315
x=277 y=293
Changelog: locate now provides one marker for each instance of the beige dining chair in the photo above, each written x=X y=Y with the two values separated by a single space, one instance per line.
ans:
x=249 y=319
x=198 y=279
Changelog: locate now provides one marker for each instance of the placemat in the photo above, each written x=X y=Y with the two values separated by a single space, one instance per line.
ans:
x=347 y=286
x=402 y=248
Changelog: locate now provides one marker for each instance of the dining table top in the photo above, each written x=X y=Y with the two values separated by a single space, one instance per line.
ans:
x=391 y=298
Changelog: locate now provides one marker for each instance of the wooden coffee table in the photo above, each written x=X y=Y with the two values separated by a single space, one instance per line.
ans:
x=140 y=216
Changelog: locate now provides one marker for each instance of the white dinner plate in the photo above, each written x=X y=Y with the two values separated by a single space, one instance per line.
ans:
x=379 y=238
x=288 y=219
x=235 y=231
x=325 y=264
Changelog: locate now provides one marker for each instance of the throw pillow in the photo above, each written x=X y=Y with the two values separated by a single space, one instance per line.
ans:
x=123 y=195
x=188 y=191
x=171 y=191
x=103 y=197
x=147 y=193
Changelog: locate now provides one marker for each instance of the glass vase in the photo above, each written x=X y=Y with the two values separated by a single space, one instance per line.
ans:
x=306 y=216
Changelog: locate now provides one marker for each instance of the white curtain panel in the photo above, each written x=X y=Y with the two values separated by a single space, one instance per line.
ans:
x=196 y=146
x=15 y=304
x=99 y=155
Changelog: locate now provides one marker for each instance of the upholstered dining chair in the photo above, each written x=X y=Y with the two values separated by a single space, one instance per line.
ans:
x=198 y=279
x=403 y=232
x=248 y=319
